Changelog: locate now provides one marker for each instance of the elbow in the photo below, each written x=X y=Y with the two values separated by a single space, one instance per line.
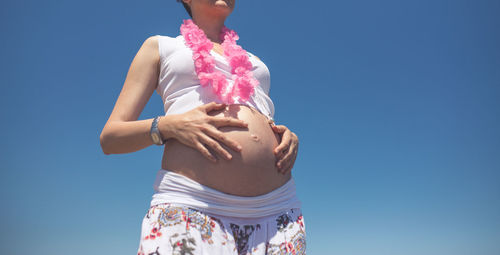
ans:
x=104 y=144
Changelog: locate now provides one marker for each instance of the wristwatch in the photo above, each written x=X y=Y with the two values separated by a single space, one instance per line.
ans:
x=155 y=132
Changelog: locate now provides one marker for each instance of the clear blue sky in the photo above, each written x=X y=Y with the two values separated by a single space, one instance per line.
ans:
x=396 y=105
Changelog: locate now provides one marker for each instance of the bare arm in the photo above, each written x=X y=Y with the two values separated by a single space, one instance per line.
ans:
x=123 y=133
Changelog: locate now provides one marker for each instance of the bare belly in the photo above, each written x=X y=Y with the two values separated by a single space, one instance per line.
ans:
x=251 y=172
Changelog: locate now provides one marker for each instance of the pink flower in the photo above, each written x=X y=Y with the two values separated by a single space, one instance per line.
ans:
x=240 y=70
x=204 y=63
x=244 y=89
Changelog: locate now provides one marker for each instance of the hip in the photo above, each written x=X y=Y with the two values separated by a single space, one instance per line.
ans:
x=174 y=188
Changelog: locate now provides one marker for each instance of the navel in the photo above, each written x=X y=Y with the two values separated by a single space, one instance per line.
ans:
x=255 y=137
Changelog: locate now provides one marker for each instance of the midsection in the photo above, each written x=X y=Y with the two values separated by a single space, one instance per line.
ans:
x=251 y=172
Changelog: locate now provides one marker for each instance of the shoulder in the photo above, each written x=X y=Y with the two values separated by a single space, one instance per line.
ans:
x=167 y=45
x=149 y=49
x=257 y=57
x=165 y=40
x=151 y=42
x=253 y=55
x=158 y=40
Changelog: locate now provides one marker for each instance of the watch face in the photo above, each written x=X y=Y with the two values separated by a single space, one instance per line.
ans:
x=156 y=139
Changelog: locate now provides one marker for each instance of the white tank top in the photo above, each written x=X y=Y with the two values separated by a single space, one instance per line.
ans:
x=180 y=88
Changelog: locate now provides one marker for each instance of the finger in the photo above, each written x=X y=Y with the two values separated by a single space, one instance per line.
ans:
x=212 y=106
x=204 y=151
x=289 y=158
x=279 y=128
x=285 y=143
x=216 y=146
x=293 y=156
x=296 y=138
x=289 y=169
x=292 y=163
x=281 y=163
x=227 y=121
x=285 y=162
x=216 y=134
x=285 y=169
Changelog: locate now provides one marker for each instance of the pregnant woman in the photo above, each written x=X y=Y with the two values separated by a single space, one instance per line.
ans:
x=225 y=184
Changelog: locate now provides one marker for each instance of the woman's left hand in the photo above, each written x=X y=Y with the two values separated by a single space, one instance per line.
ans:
x=286 y=151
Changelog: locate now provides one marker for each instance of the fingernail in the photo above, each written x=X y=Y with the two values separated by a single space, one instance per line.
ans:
x=229 y=156
x=239 y=147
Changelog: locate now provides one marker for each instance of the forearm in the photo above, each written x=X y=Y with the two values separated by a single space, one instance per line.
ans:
x=120 y=137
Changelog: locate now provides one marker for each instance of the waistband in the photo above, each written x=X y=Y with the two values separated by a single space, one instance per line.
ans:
x=178 y=189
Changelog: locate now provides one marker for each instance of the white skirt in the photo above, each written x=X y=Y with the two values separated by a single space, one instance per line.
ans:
x=186 y=217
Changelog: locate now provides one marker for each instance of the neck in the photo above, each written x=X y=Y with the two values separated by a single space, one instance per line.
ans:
x=211 y=26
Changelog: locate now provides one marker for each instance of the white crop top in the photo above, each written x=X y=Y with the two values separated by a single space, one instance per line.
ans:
x=180 y=88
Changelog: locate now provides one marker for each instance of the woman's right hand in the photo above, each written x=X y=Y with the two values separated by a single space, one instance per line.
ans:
x=196 y=129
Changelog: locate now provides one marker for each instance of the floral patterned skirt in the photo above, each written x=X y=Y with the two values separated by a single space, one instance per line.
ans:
x=174 y=229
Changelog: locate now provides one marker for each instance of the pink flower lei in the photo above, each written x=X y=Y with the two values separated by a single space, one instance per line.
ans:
x=244 y=82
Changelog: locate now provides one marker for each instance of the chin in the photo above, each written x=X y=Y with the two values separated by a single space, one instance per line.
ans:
x=224 y=11
x=224 y=4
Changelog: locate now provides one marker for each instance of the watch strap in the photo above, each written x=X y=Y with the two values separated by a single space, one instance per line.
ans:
x=155 y=132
